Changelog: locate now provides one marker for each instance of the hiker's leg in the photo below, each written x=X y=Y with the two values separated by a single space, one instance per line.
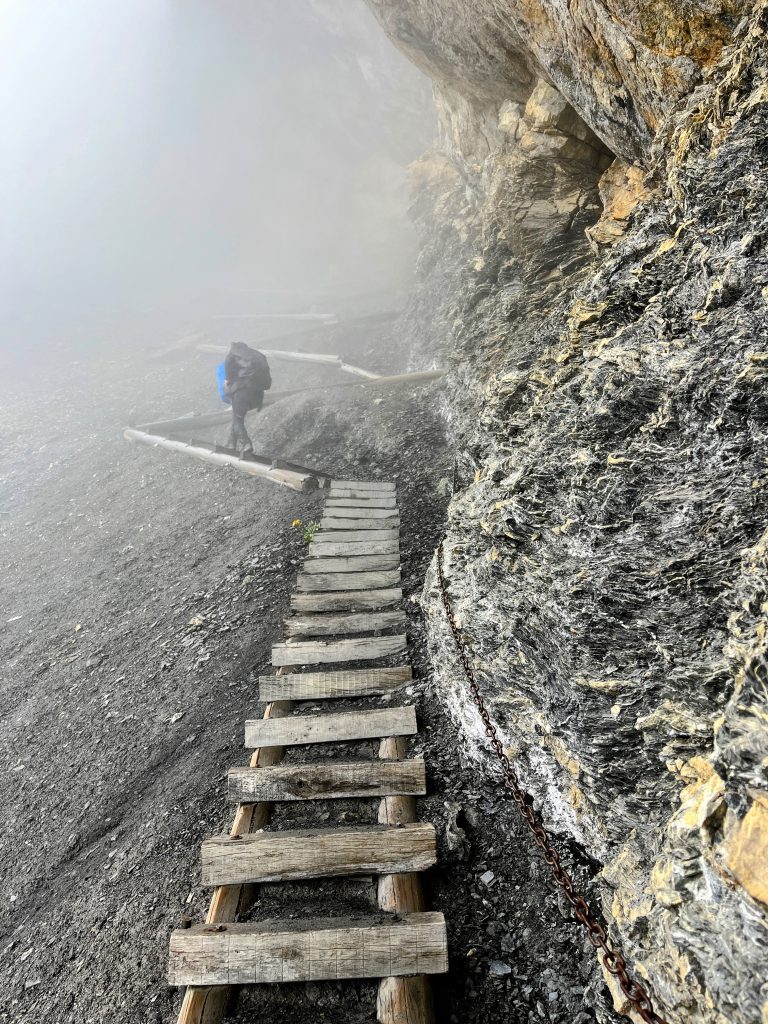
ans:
x=239 y=434
x=240 y=406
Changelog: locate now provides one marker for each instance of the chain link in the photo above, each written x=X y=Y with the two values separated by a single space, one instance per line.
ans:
x=612 y=959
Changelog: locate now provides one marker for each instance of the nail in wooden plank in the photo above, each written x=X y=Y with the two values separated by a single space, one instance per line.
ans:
x=356 y=563
x=339 y=727
x=346 y=600
x=327 y=780
x=320 y=652
x=313 y=949
x=329 y=581
x=363 y=682
x=341 y=625
x=317 y=853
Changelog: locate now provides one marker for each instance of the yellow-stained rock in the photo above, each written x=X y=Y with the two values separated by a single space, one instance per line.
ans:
x=622 y=187
x=747 y=850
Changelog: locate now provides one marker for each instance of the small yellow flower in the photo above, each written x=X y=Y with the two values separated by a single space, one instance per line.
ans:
x=296 y=522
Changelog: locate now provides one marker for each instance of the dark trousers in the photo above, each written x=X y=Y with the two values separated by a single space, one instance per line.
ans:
x=243 y=401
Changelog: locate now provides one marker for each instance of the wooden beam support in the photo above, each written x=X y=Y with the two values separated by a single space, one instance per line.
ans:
x=313 y=949
x=339 y=727
x=364 y=682
x=401 y=1000
x=286 y=478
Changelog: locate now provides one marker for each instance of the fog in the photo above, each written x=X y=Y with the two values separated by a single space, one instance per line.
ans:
x=164 y=161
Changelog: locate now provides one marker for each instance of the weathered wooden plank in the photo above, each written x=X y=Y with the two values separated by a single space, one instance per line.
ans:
x=335 y=522
x=328 y=780
x=346 y=600
x=356 y=512
x=320 y=652
x=354 y=563
x=367 y=536
x=363 y=682
x=365 y=496
x=339 y=727
x=340 y=625
x=379 y=501
x=313 y=949
x=347 y=549
x=330 y=581
x=317 y=853
x=366 y=485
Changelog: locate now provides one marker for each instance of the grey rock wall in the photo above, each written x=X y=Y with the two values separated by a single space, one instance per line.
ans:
x=607 y=549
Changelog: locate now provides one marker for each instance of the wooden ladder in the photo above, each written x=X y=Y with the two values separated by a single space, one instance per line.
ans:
x=348 y=592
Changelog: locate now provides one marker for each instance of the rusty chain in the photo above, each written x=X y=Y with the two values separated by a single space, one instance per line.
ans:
x=613 y=961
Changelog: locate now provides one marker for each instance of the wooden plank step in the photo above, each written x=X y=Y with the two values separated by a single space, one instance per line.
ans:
x=354 y=563
x=347 y=536
x=309 y=949
x=346 y=600
x=365 y=496
x=362 y=682
x=366 y=485
x=330 y=581
x=338 y=727
x=329 y=780
x=379 y=501
x=320 y=652
x=318 y=853
x=335 y=522
x=345 y=549
x=339 y=625
x=352 y=511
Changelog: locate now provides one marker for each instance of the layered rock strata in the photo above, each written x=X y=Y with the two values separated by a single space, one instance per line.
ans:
x=594 y=261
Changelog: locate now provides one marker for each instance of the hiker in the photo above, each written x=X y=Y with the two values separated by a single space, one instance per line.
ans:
x=246 y=378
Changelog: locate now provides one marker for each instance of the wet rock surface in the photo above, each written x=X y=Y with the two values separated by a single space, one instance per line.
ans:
x=606 y=549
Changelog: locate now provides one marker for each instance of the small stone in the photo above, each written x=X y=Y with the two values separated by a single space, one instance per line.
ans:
x=487 y=877
x=175 y=717
x=499 y=969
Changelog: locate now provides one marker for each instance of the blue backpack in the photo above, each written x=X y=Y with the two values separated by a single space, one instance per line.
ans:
x=220 y=378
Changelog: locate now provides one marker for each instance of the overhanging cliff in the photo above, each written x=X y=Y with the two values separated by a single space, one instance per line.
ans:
x=593 y=259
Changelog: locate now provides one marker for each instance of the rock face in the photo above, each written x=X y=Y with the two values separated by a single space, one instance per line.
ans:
x=594 y=264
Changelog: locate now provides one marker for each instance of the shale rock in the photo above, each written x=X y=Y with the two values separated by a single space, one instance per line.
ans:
x=607 y=551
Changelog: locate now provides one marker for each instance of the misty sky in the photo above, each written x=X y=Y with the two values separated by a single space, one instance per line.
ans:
x=198 y=156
